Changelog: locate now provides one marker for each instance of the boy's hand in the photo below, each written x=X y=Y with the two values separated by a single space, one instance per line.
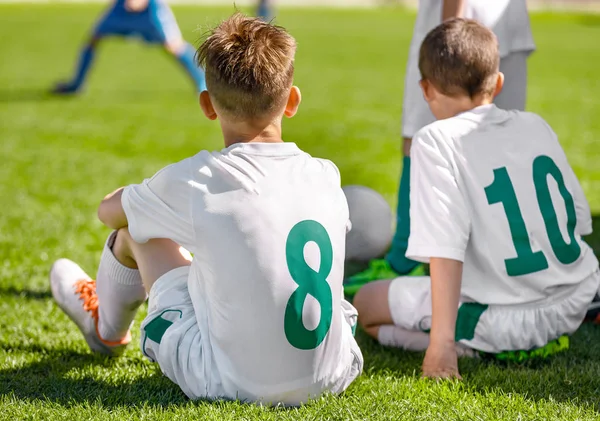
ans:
x=441 y=361
x=136 y=5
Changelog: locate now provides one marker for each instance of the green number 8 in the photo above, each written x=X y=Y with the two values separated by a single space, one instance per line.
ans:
x=309 y=282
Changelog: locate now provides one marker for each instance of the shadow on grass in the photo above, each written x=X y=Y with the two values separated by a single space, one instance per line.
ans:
x=572 y=376
x=28 y=294
x=130 y=95
x=64 y=376
x=590 y=19
x=70 y=378
x=26 y=95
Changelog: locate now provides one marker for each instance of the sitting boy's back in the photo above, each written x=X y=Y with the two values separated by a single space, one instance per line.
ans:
x=493 y=190
x=518 y=209
x=266 y=224
x=258 y=314
x=498 y=213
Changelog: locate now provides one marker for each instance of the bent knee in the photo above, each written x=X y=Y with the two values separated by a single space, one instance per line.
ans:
x=371 y=302
x=175 y=47
x=361 y=304
x=123 y=235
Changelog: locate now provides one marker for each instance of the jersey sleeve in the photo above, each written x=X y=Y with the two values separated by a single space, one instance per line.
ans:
x=160 y=207
x=439 y=218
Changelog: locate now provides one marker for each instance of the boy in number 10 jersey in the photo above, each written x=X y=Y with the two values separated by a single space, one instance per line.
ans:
x=496 y=210
x=258 y=313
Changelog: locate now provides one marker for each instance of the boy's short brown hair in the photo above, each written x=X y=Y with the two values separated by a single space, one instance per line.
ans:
x=249 y=66
x=460 y=57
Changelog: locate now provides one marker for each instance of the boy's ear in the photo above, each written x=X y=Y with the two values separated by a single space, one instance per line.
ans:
x=427 y=89
x=293 y=102
x=207 y=106
x=499 y=84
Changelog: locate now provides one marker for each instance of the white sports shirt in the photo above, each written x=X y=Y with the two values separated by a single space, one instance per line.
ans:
x=493 y=189
x=267 y=225
x=507 y=18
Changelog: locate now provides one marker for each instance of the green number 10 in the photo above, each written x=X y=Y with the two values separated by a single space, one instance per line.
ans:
x=502 y=191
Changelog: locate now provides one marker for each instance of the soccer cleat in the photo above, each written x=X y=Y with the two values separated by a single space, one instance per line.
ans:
x=75 y=293
x=378 y=269
x=554 y=347
x=65 y=89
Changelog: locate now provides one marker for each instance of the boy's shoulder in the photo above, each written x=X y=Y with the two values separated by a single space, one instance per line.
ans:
x=261 y=159
x=483 y=121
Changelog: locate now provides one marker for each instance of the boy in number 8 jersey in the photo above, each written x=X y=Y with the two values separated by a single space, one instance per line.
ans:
x=497 y=212
x=258 y=313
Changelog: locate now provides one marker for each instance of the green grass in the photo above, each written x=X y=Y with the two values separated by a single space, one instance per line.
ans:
x=59 y=157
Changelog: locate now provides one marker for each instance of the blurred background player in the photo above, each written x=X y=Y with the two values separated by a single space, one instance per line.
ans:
x=265 y=10
x=151 y=20
x=509 y=20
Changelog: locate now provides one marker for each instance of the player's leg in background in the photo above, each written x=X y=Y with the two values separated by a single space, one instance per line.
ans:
x=514 y=91
x=107 y=25
x=84 y=63
x=397 y=254
x=185 y=54
x=372 y=302
x=397 y=313
x=415 y=115
x=169 y=33
x=265 y=10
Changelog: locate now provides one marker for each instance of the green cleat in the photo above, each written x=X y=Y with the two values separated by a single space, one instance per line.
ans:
x=551 y=348
x=378 y=269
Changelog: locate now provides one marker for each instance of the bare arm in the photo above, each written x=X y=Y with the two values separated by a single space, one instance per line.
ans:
x=453 y=9
x=440 y=359
x=110 y=211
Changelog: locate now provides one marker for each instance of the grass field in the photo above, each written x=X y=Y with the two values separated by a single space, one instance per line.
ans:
x=59 y=157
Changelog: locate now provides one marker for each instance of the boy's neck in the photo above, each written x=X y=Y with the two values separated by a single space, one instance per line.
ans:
x=246 y=133
x=457 y=105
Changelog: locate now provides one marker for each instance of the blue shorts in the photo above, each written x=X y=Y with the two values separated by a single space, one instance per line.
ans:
x=156 y=24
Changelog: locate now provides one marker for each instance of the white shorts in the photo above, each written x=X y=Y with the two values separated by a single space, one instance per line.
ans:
x=495 y=329
x=416 y=113
x=171 y=336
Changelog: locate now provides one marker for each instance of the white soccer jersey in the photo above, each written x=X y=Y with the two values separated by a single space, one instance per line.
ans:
x=493 y=188
x=507 y=18
x=266 y=224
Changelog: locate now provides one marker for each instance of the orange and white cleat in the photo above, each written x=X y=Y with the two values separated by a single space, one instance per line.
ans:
x=75 y=293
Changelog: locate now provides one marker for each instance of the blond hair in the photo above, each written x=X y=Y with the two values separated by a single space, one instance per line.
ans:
x=249 y=66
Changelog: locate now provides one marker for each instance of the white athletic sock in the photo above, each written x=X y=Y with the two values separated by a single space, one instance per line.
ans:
x=120 y=293
x=391 y=335
x=414 y=340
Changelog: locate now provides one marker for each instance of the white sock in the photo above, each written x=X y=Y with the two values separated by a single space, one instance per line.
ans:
x=414 y=340
x=410 y=340
x=120 y=293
